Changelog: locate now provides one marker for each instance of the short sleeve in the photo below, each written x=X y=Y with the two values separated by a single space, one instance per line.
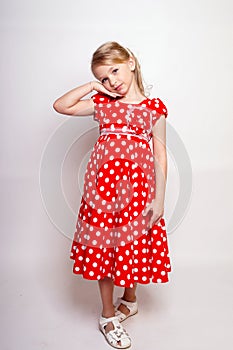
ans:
x=100 y=98
x=159 y=106
x=158 y=109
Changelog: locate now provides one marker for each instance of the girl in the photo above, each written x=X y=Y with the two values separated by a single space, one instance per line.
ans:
x=120 y=236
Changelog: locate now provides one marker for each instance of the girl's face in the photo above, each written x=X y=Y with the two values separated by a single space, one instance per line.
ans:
x=117 y=77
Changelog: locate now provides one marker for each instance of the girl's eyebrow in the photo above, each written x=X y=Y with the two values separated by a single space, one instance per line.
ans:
x=108 y=71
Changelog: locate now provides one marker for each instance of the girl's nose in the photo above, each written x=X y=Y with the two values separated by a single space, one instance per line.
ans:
x=112 y=82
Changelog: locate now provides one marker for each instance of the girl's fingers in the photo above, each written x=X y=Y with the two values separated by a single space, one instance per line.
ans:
x=145 y=211
x=154 y=221
x=113 y=94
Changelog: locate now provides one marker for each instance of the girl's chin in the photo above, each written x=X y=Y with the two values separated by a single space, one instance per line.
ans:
x=122 y=92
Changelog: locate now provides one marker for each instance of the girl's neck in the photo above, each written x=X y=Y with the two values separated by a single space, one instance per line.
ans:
x=133 y=95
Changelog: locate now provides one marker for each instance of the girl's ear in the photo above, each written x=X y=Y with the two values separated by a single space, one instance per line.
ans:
x=131 y=64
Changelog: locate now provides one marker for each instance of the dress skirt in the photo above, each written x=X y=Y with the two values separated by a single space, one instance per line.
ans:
x=112 y=237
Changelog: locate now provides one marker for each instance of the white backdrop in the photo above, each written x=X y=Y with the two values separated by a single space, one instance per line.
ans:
x=185 y=51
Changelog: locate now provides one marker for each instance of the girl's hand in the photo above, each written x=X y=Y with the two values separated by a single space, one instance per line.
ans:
x=158 y=211
x=97 y=86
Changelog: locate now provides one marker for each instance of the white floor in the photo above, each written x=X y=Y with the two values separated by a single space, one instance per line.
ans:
x=39 y=310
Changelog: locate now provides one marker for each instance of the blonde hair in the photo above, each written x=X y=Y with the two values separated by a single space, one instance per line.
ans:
x=112 y=52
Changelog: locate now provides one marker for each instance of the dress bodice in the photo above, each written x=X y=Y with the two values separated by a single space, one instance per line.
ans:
x=134 y=119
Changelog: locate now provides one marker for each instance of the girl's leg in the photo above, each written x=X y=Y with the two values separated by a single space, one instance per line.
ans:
x=129 y=295
x=106 y=291
x=106 y=287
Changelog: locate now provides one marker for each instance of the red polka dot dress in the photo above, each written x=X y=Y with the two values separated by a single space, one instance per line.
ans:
x=112 y=237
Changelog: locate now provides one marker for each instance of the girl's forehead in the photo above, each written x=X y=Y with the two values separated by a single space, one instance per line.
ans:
x=104 y=69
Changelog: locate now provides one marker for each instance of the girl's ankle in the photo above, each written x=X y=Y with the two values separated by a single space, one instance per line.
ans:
x=107 y=314
x=130 y=300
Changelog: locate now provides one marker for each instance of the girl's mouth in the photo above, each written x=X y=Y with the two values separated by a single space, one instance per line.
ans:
x=119 y=87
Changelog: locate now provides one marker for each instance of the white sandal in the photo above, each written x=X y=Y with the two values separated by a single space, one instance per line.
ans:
x=118 y=334
x=132 y=306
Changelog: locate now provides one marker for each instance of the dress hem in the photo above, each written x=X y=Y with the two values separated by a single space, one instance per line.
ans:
x=152 y=279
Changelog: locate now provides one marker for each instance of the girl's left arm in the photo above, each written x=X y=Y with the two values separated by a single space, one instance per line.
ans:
x=160 y=158
x=160 y=162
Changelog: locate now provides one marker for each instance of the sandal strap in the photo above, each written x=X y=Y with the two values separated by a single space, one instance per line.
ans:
x=105 y=320
x=121 y=316
x=129 y=304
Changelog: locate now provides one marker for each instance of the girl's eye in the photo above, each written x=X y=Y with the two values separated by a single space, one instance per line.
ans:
x=114 y=71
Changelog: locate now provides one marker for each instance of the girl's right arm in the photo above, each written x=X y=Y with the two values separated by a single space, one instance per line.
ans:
x=71 y=104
